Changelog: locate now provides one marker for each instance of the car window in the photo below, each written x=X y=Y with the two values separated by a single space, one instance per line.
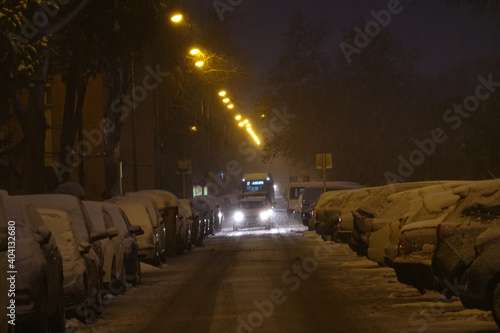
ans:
x=251 y=204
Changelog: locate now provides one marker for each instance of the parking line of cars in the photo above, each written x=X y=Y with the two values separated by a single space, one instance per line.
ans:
x=70 y=252
x=434 y=234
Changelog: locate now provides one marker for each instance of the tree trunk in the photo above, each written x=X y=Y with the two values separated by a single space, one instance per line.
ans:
x=34 y=125
x=76 y=88
x=113 y=125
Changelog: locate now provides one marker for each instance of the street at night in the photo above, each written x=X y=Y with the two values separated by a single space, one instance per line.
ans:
x=219 y=166
x=282 y=280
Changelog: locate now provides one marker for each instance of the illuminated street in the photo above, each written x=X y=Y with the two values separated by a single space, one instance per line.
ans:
x=282 y=280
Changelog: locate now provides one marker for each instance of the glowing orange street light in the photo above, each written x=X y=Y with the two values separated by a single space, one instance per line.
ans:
x=222 y=93
x=176 y=18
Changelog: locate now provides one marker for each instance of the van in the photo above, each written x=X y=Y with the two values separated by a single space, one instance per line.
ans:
x=311 y=194
x=295 y=189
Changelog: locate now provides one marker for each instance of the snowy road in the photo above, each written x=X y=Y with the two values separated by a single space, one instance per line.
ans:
x=282 y=280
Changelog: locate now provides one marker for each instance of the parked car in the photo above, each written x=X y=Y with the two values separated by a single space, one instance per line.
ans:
x=293 y=192
x=190 y=217
x=82 y=288
x=206 y=208
x=148 y=243
x=371 y=207
x=130 y=232
x=481 y=280
x=414 y=213
x=253 y=212
x=418 y=238
x=311 y=195
x=197 y=223
x=112 y=248
x=87 y=232
x=39 y=294
x=174 y=226
x=478 y=210
x=333 y=208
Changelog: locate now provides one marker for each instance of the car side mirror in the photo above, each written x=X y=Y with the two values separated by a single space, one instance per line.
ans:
x=43 y=235
x=113 y=232
x=96 y=236
x=136 y=230
x=84 y=247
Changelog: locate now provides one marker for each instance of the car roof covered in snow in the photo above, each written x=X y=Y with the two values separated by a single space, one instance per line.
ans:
x=71 y=205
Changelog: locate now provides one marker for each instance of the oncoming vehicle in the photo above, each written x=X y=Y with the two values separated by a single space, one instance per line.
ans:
x=258 y=184
x=253 y=212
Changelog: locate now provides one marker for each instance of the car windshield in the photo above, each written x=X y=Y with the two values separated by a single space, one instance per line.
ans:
x=251 y=204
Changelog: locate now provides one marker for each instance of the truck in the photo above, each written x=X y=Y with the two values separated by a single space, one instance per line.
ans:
x=258 y=184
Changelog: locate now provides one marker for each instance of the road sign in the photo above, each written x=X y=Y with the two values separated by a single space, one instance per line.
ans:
x=324 y=161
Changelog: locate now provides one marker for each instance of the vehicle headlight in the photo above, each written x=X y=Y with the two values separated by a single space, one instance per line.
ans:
x=238 y=216
x=264 y=215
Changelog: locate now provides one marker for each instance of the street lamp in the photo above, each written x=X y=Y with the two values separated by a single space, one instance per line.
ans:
x=176 y=18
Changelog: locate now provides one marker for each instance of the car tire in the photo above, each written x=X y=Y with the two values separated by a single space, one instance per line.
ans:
x=115 y=286
x=39 y=324
x=57 y=322
x=138 y=275
x=495 y=304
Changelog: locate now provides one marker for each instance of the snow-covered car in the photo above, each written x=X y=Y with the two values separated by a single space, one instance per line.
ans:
x=82 y=288
x=190 y=217
x=197 y=223
x=112 y=248
x=206 y=207
x=418 y=238
x=130 y=232
x=477 y=210
x=148 y=242
x=335 y=207
x=156 y=205
x=39 y=295
x=87 y=232
x=253 y=212
x=372 y=207
x=481 y=281
x=421 y=208
x=175 y=229
x=311 y=194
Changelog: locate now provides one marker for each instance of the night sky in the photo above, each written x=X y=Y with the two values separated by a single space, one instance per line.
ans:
x=445 y=35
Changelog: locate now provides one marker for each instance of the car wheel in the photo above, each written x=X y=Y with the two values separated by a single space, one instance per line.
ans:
x=40 y=322
x=115 y=286
x=57 y=321
x=495 y=304
x=138 y=275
